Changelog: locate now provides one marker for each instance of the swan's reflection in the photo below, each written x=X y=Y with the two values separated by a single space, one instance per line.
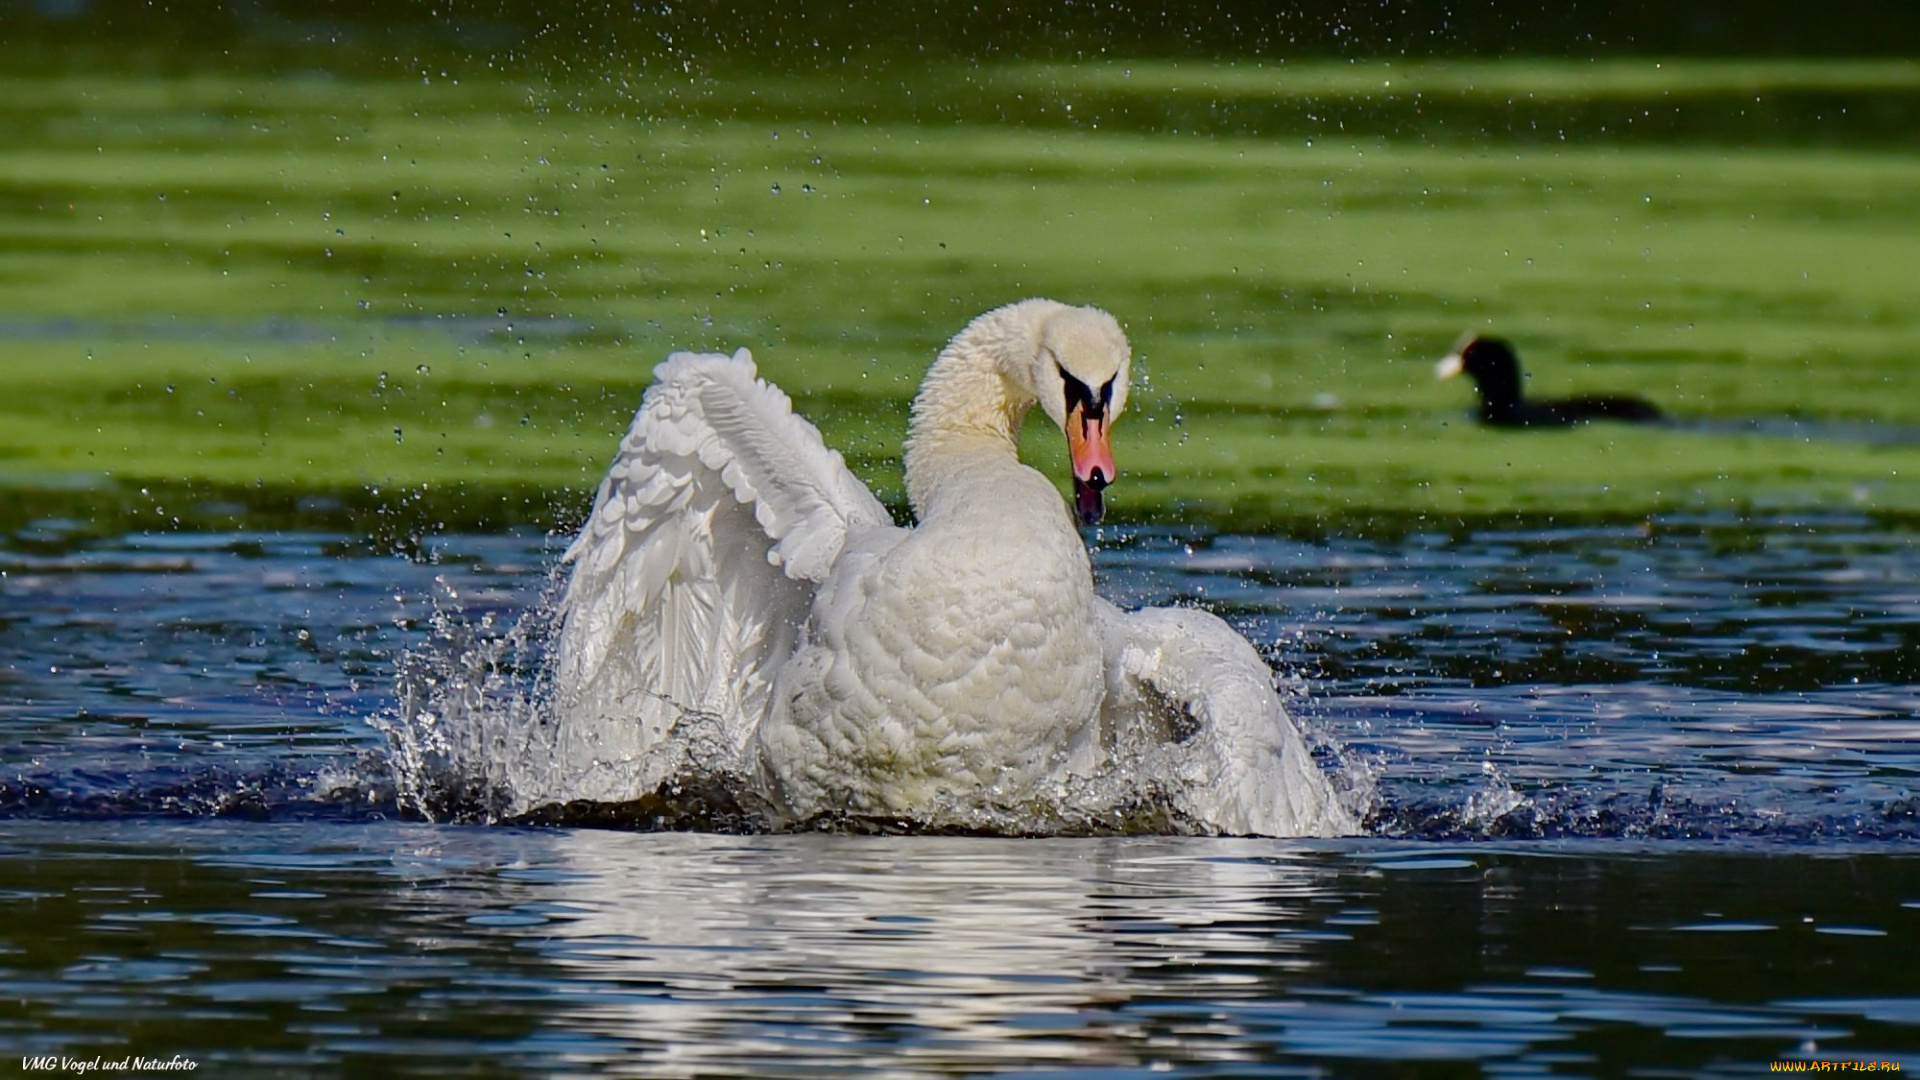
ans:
x=704 y=951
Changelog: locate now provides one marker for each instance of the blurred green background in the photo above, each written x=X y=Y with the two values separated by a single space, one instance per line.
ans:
x=415 y=263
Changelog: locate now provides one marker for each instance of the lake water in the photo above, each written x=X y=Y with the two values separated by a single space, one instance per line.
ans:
x=1645 y=797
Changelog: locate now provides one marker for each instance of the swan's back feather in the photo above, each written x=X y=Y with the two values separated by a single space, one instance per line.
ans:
x=718 y=518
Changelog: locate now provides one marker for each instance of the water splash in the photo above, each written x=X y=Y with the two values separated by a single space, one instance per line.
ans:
x=1495 y=798
x=467 y=725
x=476 y=734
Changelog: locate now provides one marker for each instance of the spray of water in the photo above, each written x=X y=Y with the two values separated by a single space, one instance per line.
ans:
x=476 y=734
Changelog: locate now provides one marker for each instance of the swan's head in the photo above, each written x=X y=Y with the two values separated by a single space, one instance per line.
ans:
x=1080 y=380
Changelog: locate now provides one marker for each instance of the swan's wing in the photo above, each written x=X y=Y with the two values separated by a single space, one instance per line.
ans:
x=719 y=517
x=1185 y=680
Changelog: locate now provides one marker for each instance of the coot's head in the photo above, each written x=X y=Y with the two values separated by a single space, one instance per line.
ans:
x=1489 y=361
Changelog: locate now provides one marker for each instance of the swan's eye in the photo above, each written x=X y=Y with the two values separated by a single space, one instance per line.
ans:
x=1106 y=393
x=1079 y=394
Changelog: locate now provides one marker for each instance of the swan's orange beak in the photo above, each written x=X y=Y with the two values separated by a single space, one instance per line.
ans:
x=1092 y=463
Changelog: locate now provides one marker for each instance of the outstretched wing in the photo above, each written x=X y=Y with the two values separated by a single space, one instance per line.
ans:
x=719 y=516
x=1184 y=680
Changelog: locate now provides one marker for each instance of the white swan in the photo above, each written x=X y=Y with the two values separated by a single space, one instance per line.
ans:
x=735 y=573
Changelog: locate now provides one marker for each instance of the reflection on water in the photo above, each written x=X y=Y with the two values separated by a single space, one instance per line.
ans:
x=427 y=948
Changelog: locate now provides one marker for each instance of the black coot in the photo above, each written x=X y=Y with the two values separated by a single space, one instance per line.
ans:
x=1496 y=371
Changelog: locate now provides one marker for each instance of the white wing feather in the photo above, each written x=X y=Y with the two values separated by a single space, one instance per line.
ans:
x=721 y=513
x=1186 y=680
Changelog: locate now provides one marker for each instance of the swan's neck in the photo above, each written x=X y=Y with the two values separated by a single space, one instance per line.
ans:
x=969 y=408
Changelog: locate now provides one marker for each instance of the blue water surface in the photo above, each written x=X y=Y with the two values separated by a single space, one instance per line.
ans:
x=1644 y=801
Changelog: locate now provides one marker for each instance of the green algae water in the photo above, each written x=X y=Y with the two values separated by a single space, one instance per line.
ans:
x=305 y=280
